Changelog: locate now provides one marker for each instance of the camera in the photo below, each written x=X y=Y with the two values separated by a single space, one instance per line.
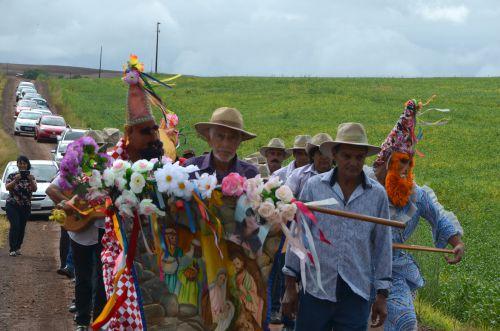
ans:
x=24 y=173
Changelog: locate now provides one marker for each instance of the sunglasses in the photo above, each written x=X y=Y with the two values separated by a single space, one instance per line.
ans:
x=149 y=130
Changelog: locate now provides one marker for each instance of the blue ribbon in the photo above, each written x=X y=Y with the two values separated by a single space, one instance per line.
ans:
x=192 y=225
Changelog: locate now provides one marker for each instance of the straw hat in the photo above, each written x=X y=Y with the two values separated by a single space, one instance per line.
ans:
x=349 y=134
x=317 y=140
x=224 y=117
x=260 y=159
x=263 y=171
x=300 y=142
x=275 y=143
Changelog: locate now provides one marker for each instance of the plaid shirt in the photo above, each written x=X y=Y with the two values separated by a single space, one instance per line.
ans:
x=205 y=164
x=359 y=251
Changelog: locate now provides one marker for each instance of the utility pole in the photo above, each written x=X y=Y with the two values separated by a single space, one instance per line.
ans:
x=157 y=32
x=100 y=62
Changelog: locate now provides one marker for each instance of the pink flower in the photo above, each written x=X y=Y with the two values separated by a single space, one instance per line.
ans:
x=232 y=184
x=172 y=120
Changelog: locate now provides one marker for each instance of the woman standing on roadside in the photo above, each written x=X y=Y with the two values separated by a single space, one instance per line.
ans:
x=21 y=185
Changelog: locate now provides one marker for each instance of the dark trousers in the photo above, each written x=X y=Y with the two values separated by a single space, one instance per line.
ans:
x=17 y=216
x=89 y=281
x=350 y=312
x=64 y=244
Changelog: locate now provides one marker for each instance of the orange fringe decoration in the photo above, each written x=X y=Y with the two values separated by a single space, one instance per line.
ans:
x=399 y=189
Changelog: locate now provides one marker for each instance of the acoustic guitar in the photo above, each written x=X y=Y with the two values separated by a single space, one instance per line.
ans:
x=82 y=215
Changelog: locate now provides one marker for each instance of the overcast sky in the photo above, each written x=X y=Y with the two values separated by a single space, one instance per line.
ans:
x=260 y=37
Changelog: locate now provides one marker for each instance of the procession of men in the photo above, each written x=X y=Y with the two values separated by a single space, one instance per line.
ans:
x=358 y=280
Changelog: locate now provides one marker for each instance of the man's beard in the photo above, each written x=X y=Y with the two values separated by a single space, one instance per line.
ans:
x=398 y=189
x=153 y=151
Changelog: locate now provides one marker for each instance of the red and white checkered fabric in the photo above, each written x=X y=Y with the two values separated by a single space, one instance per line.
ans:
x=119 y=152
x=128 y=316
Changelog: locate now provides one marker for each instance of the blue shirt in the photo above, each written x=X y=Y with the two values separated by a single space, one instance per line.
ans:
x=285 y=172
x=355 y=247
x=299 y=177
x=205 y=164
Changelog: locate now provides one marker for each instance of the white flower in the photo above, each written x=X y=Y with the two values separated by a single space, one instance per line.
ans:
x=183 y=189
x=267 y=209
x=120 y=183
x=95 y=180
x=254 y=186
x=166 y=160
x=109 y=177
x=120 y=166
x=142 y=166
x=147 y=207
x=137 y=182
x=168 y=177
x=127 y=202
x=95 y=194
x=206 y=184
x=287 y=211
x=273 y=182
x=190 y=168
x=255 y=200
x=284 y=193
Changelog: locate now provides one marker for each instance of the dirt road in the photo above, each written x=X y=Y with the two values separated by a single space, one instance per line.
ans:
x=32 y=295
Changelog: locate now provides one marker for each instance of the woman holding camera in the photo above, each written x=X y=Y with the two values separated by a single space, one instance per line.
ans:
x=21 y=185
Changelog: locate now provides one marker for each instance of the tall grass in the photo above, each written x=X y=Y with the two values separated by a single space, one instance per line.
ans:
x=460 y=164
x=8 y=147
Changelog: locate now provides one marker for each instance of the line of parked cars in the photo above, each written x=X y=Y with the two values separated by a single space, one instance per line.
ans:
x=34 y=117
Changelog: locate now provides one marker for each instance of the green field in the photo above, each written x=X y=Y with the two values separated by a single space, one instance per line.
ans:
x=461 y=158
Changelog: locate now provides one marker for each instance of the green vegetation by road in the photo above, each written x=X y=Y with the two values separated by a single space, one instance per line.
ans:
x=460 y=164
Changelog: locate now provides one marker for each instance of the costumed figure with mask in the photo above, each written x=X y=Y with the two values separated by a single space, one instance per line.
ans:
x=409 y=202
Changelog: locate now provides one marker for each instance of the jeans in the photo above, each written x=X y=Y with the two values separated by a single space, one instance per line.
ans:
x=64 y=247
x=17 y=216
x=89 y=281
x=400 y=309
x=69 y=260
x=350 y=312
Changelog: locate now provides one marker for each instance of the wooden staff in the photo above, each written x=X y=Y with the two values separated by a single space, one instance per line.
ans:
x=355 y=216
x=422 y=248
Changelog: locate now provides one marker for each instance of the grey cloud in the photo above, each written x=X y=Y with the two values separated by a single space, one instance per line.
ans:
x=281 y=37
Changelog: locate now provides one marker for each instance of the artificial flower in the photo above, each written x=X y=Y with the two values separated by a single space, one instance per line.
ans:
x=137 y=182
x=206 y=184
x=284 y=193
x=142 y=166
x=272 y=183
x=287 y=211
x=109 y=177
x=147 y=207
x=172 y=120
x=267 y=209
x=95 y=181
x=127 y=202
x=232 y=184
x=183 y=189
x=120 y=166
x=168 y=176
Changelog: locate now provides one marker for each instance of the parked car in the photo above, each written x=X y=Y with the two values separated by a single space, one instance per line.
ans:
x=44 y=172
x=41 y=103
x=23 y=84
x=29 y=96
x=68 y=136
x=26 y=122
x=23 y=90
x=24 y=105
x=49 y=127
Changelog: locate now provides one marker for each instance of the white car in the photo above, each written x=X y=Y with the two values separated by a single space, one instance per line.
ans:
x=44 y=171
x=68 y=136
x=23 y=84
x=26 y=122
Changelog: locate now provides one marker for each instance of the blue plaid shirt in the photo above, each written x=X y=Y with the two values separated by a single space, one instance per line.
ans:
x=356 y=246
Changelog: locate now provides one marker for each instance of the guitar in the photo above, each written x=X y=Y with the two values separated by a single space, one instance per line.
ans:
x=82 y=215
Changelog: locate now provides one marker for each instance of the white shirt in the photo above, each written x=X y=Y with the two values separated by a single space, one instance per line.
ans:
x=90 y=235
x=299 y=177
x=285 y=172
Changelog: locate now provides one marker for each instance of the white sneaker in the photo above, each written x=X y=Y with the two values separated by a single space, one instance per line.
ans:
x=18 y=252
x=12 y=254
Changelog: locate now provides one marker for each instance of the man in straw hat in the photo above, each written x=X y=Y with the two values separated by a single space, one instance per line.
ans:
x=393 y=168
x=319 y=163
x=275 y=153
x=224 y=133
x=300 y=157
x=350 y=253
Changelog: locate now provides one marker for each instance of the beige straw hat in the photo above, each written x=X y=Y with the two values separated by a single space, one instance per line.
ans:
x=349 y=134
x=300 y=142
x=224 y=117
x=317 y=140
x=275 y=143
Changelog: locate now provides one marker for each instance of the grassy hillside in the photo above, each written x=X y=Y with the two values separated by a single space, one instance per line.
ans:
x=460 y=164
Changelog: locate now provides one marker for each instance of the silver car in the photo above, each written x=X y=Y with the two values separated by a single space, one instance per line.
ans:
x=44 y=172
x=64 y=140
x=26 y=122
